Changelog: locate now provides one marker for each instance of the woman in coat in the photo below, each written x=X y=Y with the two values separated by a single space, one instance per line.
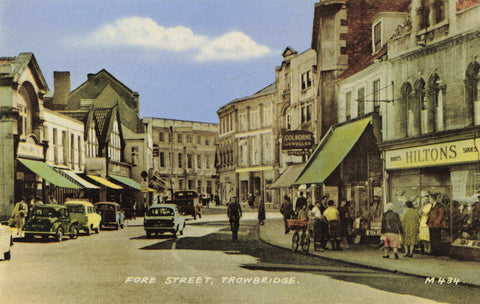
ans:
x=424 y=230
x=410 y=223
x=391 y=230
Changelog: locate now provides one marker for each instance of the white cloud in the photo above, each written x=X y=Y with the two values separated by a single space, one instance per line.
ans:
x=146 y=33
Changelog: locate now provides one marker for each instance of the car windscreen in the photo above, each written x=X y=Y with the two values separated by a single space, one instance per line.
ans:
x=76 y=208
x=106 y=207
x=50 y=212
x=160 y=211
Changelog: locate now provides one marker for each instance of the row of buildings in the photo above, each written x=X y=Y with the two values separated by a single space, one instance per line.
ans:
x=90 y=142
x=383 y=107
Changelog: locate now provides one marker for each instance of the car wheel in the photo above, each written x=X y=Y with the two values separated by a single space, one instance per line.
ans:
x=7 y=256
x=59 y=234
x=74 y=232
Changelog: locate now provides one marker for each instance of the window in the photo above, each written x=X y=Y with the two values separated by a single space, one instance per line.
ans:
x=438 y=11
x=348 y=105
x=376 y=95
x=207 y=142
x=180 y=138
x=199 y=140
x=190 y=184
x=72 y=150
x=207 y=162
x=180 y=160
x=134 y=156
x=189 y=139
x=65 y=147
x=423 y=13
x=289 y=124
x=209 y=186
x=267 y=116
x=189 y=161
x=377 y=37
x=161 y=137
x=162 y=159
x=306 y=80
x=254 y=119
x=361 y=102
x=199 y=161
x=306 y=113
x=472 y=96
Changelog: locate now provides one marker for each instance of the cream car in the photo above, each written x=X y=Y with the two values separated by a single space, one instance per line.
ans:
x=5 y=242
x=86 y=215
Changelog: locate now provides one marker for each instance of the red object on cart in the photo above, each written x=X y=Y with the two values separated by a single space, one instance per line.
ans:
x=296 y=224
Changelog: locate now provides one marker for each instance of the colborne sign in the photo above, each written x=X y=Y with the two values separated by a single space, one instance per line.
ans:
x=297 y=140
x=454 y=152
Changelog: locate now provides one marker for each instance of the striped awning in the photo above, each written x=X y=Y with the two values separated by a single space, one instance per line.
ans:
x=105 y=182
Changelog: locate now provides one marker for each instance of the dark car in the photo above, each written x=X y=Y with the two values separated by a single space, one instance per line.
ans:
x=112 y=215
x=51 y=220
x=163 y=218
x=187 y=202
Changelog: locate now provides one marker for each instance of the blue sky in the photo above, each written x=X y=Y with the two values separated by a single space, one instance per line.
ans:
x=186 y=58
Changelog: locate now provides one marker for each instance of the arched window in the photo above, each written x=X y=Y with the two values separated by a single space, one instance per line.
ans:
x=472 y=100
x=402 y=108
x=435 y=106
x=415 y=106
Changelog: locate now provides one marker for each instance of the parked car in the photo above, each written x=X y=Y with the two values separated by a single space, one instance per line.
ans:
x=112 y=215
x=163 y=218
x=51 y=220
x=86 y=215
x=187 y=202
x=6 y=241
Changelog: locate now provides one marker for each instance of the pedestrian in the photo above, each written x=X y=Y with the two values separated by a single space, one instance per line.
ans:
x=251 y=200
x=234 y=213
x=332 y=216
x=19 y=215
x=261 y=213
x=302 y=213
x=318 y=234
x=300 y=203
x=410 y=223
x=423 y=229
x=324 y=225
x=287 y=211
x=391 y=230
x=346 y=222
x=436 y=221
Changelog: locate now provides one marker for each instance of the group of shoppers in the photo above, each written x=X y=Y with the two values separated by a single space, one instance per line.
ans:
x=324 y=220
x=414 y=228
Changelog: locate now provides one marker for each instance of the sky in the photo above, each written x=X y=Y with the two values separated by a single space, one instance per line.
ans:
x=186 y=58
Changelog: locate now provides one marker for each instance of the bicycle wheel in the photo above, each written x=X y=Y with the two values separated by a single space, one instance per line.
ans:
x=295 y=241
x=305 y=243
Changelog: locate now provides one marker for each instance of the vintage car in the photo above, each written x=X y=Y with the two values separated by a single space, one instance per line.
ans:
x=5 y=241
x=112 y=215
x=187 y=202
x=163 y=218
x=51 y=220
x=86 y=215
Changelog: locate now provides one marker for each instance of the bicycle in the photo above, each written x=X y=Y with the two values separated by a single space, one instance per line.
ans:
x=299 y=240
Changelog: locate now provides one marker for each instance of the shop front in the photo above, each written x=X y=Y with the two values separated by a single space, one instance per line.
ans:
x=346 y=165
x=450 y=169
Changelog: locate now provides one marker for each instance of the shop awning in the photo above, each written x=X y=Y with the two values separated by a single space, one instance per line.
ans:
x=81 y=181
x=331 y=151
x=127 y=181
x=105 y=182
x=288 y=177
x=48 y=173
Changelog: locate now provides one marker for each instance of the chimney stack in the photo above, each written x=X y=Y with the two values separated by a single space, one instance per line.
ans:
x=61 y=89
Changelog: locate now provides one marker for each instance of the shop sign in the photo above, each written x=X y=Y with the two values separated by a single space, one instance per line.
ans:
x=455 y=152
x=298 y=152
x=30 y=149
x=298 y=139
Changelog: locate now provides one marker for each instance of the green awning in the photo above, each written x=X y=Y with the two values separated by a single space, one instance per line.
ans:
x=48 y=173
x=127 y=181
x=331 y=151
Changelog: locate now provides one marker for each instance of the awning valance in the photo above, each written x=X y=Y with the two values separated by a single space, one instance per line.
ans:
x=331 y=151
x=80 y=180
x=105 y=182
x=127 y=181
x=288 y=177
x=48 y=173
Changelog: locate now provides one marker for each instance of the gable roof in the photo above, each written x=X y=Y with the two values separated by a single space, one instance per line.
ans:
x=13 y=67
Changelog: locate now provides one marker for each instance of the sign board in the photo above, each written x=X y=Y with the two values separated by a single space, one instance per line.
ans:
x=298 y=139
x=144 y=186
x=455 y=152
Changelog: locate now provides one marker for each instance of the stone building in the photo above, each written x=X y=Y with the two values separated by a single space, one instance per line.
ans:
x=183 y=156
x=432 y=130
x=247 y=148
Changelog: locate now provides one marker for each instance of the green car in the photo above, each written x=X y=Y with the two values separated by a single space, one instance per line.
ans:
x=51 y=220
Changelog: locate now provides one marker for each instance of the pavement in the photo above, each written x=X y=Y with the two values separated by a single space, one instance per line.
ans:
x=425 y=266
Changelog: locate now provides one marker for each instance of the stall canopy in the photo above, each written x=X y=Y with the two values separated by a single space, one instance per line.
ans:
x=80 y=180
x=288 y=177
x=331 y=151
x=48 y=173
x=127 y=181
x=105 y=182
